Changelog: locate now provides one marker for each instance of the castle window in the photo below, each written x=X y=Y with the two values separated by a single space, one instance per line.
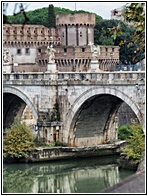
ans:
x=83 y=49
x=27 y=50
x=65 y=49
x=63 y=34
x=80 y=34
x=112 y=49
x=39 y=50
x=106 y=49
x=19 y=51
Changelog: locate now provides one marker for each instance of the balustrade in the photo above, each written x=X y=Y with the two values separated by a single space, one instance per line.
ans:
x=75 y=76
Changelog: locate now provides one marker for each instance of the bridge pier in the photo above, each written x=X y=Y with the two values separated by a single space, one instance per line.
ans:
x=49 y=131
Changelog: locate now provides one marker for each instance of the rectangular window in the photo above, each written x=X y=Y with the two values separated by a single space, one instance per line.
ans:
x=27 y=50
x=83 y=49
x=65 y=49
x=19 y=51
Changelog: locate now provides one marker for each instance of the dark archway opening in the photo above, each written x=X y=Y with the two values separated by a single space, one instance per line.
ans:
x=96 y=121
x=13 y=108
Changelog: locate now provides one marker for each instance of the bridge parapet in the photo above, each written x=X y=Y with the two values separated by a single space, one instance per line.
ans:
x=109 y=77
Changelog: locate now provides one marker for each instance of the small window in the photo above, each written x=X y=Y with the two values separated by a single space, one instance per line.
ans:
x=18 y=51
x=80 y=34
x=83 y=49
x=112 y=49
x=65 y=49
x=39 y=50
x=27 y=50
x=63 y=34
x=106 y=49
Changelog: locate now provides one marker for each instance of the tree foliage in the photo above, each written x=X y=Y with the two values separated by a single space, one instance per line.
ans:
x=21 y=10
x=136 y=144
x=18 y=141
x=41 y=17
x=51 y=17
x=134 y=15
x=124 y=132
x=103 y=36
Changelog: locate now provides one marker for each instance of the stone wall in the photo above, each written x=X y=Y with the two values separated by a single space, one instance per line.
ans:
x=87 y=101
x=58 y=153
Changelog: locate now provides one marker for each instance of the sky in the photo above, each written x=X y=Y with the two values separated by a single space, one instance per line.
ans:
x=102 y=9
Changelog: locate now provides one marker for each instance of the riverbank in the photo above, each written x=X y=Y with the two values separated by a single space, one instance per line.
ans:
x=42 y=154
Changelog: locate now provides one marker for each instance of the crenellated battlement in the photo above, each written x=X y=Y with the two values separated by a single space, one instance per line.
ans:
x=68 y=19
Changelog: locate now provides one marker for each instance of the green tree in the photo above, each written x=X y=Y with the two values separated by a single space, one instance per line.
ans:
x=18 y=141
x=124 y=132
x=40 y=16
x=136 y=144
x=51 y=17
x=134 y=14
x=103 y=36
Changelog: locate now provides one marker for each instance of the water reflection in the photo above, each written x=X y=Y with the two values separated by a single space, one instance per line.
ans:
x=89 y=175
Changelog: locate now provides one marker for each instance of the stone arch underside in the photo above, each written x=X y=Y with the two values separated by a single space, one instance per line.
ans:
x=14 y=103
x=92 y=116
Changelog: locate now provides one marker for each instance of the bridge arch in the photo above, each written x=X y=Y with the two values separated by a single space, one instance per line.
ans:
x=22 y=97
x=120 y=97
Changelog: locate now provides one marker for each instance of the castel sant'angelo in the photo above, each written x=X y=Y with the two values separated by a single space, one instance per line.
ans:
x=71 y=40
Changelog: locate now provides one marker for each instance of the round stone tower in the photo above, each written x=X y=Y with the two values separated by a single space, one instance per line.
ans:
x=77 y=29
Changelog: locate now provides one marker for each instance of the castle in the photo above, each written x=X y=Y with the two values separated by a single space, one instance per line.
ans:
x=27 y=45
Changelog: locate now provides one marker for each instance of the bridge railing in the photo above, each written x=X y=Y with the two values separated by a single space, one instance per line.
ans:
x=102 y=76
x=118 y=75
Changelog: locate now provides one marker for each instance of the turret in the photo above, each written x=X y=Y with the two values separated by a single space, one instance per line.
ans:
x=77 y=29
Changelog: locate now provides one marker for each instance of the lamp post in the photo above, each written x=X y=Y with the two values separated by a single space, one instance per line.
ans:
x=111 y=56
x=12 y=70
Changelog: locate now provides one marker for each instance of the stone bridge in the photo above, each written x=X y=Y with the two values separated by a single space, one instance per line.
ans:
x=76 y=108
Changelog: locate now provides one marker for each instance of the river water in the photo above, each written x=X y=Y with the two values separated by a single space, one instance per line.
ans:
x=87 y=175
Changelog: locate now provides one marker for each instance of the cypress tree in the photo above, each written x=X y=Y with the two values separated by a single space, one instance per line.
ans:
x=51 y=16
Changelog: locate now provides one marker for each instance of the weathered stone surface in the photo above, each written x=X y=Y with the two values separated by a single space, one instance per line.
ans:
x=87 y=108
x=133 y=184
x=57 y=153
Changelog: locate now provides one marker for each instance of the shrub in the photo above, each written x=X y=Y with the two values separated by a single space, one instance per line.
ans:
x=124 y=132
x=18 y=141
x=136 y=144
